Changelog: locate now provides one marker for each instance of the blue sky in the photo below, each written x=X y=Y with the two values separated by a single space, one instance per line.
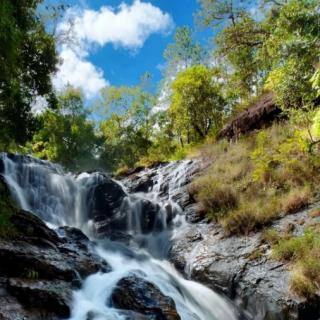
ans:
x=118 y=44
x=123 y=67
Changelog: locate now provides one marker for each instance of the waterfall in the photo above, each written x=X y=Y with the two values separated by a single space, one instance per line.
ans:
x=151 y=221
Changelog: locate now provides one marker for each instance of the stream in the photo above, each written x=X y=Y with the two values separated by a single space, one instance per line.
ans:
x=134 y=240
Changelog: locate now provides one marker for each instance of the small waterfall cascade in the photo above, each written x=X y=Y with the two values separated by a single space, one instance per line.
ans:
x=147 y=220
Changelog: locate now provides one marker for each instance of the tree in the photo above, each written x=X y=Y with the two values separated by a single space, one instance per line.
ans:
x=127 y=130
x=183 y=52
x=213 y=13
x=27 y=60
x=197 y=104
x=66 y=136
x=294 y=49
x=240 y=45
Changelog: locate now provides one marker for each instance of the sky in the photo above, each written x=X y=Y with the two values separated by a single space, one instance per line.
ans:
x=116 y=41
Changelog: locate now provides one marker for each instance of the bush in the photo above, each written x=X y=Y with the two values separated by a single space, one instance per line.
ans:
x=303 y=253
x=252 y=182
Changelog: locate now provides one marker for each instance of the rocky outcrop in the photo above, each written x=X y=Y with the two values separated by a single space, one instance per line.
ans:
x=171 y=180
x=144 y=298
x=241 y=268
x=260 y=114
x=39 y=269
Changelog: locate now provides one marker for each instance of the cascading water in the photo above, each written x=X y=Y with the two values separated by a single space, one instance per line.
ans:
x=65 y=199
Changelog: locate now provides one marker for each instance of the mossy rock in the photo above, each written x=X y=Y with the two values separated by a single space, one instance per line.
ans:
x=7 y=210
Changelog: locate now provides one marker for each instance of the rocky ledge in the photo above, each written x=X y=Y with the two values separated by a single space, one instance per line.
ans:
x=239 y=267
x=39 y=269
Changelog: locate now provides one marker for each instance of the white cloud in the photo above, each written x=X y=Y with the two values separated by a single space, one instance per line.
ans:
x=80 y=73
x=127 y=26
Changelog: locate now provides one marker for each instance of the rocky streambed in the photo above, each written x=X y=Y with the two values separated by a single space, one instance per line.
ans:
x=135 y=225
x=238 y=266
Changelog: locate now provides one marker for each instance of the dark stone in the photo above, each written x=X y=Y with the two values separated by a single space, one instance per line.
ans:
x=54 y=296
x=259 y=115
x=106 y=198
x=138 y=295
x=73 y=234
x=1 y=165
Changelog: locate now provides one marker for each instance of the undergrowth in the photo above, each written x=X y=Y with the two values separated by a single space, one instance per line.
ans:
x=257 y=179
x=303 y=255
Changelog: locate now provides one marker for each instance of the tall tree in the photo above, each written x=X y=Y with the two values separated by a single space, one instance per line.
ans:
x=197 y=104
x=27 y=60
x=66 y=136
x=127 y=130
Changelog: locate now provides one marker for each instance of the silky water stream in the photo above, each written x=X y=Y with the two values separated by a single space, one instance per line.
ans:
x=61 y=199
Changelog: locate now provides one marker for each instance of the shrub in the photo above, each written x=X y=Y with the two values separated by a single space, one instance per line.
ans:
x=254 y=181
x=296 y=199
x=303 y=253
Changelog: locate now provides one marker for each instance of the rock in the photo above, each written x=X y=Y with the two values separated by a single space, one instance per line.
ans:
x=42 y=269
x=136 y=294
x=54 y=296
x=106 y=198
x=241 y=268
x=260 y=114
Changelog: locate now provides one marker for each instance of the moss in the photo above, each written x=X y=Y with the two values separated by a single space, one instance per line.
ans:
x=7 y=209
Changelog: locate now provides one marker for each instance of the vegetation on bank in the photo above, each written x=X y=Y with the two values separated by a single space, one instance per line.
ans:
x=302 y=252
x=257 y=179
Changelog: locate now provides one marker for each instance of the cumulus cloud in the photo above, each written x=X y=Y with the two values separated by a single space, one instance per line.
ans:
x=127 y=26
x=80 y=73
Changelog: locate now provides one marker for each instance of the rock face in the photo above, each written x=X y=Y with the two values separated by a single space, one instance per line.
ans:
x=260 y=114
x=241 y=268
x=39 y=269
x=136 y=294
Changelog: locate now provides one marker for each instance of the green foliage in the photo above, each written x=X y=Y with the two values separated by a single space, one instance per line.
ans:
x=239 y=44
x=127 y=130
x=197 y=105
x=66 y=136
x=27 y=61
x=315 y=81
x=213 y=13
x=251 y=182
x=183 y=52
x=293 y=47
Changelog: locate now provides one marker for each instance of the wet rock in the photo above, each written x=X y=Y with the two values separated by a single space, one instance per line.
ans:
x=241 y=268
x=194 y=213
x=138 y=295
x=40 y=269
x=53 y=296
x=106 y=198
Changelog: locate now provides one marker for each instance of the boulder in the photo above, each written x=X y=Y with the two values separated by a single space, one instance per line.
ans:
x=136 y=294
x=260 y=114
x=40 y=269
x=53 y=296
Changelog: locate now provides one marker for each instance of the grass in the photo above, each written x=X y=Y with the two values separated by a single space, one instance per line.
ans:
x=303 y=254
x=254 y=181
